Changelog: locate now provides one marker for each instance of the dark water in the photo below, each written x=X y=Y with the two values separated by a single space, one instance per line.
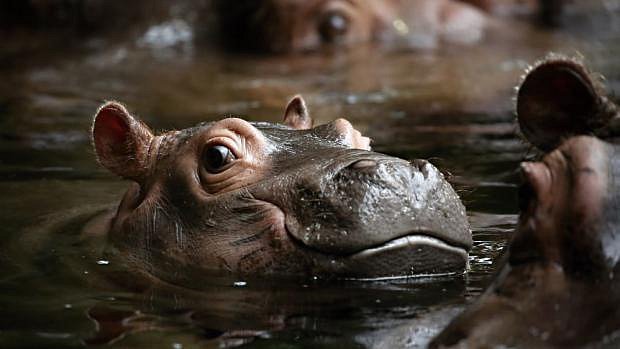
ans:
x=453 y=106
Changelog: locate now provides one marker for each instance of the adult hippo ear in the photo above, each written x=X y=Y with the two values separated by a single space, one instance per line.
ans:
x=121 y=142
x=559 y=98
x=296 y=114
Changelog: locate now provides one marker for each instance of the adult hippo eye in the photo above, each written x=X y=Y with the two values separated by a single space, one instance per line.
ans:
x=217 y=158
x=333 y=25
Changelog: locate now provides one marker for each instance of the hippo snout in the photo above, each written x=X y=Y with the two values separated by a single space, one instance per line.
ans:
x=369 y=201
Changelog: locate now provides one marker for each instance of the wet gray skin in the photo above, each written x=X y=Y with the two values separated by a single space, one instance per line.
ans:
x=559 y=285
x=269 y=199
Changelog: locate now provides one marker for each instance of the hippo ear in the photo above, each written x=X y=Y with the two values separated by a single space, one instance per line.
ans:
x=296 y=114
x=558 y=99
x=121 y=142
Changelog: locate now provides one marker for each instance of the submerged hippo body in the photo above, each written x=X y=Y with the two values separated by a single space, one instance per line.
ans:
x=260 y=198
x=559 y=286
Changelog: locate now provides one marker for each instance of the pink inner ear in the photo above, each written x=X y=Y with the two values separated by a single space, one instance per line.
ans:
x=111 y=130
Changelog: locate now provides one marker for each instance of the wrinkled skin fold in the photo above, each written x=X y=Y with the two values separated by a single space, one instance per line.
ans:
x=267 y=199
x=559 y=284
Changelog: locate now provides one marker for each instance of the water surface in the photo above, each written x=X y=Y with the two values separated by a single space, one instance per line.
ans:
x=453 y=106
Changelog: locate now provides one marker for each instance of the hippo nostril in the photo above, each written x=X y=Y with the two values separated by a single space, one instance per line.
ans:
x=363 y=165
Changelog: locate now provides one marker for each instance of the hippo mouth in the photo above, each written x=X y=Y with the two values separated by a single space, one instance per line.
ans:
x=408 y=240
x=413 y=254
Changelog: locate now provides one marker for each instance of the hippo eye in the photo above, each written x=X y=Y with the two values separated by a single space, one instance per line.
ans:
x=333 y=25
x=217 y=158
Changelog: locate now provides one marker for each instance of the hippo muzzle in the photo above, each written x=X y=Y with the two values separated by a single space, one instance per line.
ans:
x=369 y=211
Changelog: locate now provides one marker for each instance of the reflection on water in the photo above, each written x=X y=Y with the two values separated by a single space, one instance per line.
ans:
x=453 y=106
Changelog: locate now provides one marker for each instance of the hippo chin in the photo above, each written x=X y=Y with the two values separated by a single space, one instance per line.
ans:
x=269 y=199
x=559 y=286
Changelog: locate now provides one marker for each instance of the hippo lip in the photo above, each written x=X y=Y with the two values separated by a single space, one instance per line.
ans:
x=406 y=255
x=411 y=238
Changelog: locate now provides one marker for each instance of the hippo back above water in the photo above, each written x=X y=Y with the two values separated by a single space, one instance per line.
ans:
x=275 y=199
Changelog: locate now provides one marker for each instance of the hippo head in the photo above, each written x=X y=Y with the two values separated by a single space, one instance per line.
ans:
x=299 y=25
x=560 y=105
x=262 y=198
x=558 y=287
x=290 y=25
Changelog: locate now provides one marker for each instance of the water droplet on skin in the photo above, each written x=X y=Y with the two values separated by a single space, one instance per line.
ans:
x=400 y=26
x=103 y=262
x=240 y=283
x=405 y=209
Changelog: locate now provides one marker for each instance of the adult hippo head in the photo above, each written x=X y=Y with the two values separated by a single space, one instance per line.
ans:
x=300 y=25
x=294 y=25
x=261 y=198
x=559 y=286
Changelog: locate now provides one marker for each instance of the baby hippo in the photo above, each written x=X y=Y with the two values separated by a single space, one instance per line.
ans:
x=559 y=286
x=289 y=199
